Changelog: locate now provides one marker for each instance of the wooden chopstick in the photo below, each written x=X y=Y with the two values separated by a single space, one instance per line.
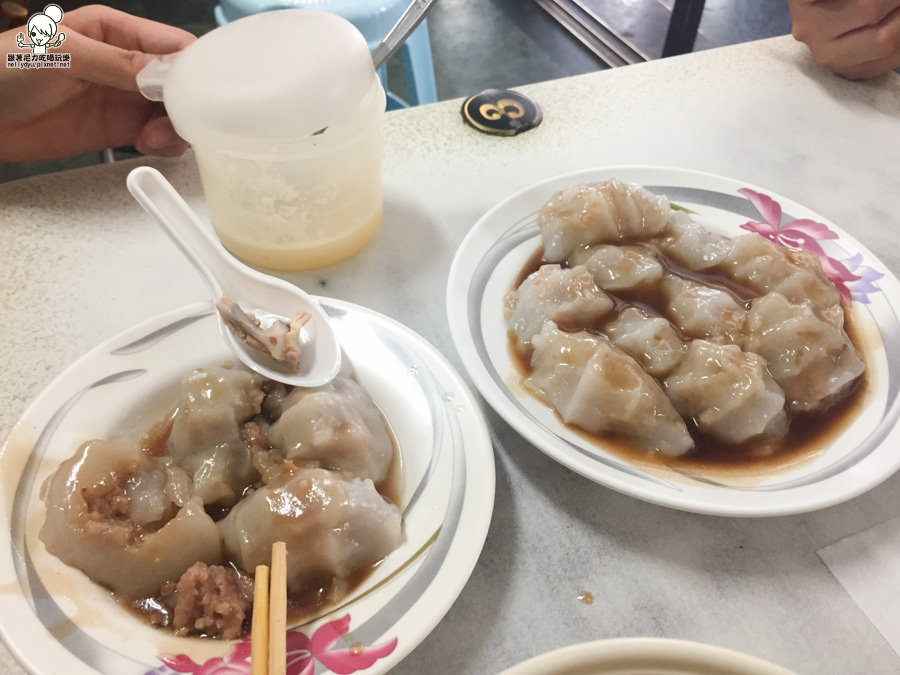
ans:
x=278 y=610
x=268 y=646
x=259 y=629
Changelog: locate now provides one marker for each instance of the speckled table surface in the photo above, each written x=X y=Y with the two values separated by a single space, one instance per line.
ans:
x=80 y=262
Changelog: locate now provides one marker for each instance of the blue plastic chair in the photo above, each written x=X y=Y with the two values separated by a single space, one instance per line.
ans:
x=373 y=18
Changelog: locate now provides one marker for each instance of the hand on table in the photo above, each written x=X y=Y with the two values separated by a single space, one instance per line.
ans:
x=855 y=38
x=49 y=113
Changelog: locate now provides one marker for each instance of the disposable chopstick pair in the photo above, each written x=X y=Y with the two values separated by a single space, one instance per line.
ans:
x=268 y=649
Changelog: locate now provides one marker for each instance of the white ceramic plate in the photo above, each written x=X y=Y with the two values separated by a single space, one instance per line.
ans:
x=634 y=656
x=55 y=620
x=859 y=457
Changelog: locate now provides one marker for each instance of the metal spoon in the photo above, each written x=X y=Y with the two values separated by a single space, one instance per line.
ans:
x=406 y=24
x=268 y=298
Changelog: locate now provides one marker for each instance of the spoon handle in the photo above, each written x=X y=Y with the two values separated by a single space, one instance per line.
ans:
x=397 y=35
x=152 y=191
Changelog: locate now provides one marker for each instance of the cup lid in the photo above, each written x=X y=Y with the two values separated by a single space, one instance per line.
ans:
x=272 y=77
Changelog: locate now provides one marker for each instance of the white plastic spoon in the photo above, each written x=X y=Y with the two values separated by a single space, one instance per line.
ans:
x=268 y=298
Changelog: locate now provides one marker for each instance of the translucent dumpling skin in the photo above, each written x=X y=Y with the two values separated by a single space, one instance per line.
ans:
x=691 y=245
x=553 y=293
x=728 y=392
x=811 y=358
x=207 y=439
x=652 y=341
x=606 y=212
x=333 y=526
x=766 y=267
x=90 y=502
x=337 y=427
x=601 y=389
x=624 y=268
x=701 y=311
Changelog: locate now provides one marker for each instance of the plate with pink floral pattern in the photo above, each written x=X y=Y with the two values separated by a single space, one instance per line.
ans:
x=56 y=620
x=842 y=459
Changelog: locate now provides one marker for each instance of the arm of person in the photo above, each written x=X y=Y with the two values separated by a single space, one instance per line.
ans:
x=855 y=38
x=49 y=113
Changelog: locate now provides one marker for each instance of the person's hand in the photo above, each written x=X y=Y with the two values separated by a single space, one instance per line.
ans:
x=49 y=113
x=855 y=38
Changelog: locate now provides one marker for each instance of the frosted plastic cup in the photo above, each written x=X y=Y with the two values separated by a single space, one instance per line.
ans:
x=283 y=110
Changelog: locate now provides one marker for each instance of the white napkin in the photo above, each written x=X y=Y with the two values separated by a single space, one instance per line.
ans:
x=868 y=566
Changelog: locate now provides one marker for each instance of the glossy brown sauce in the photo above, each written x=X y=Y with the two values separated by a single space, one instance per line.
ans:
x=302 y=604
x=808 y=433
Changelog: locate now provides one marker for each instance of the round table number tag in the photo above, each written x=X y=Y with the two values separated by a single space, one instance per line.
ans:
x=501 y=112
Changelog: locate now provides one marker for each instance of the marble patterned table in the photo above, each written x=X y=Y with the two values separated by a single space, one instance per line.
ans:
x=80 y=261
